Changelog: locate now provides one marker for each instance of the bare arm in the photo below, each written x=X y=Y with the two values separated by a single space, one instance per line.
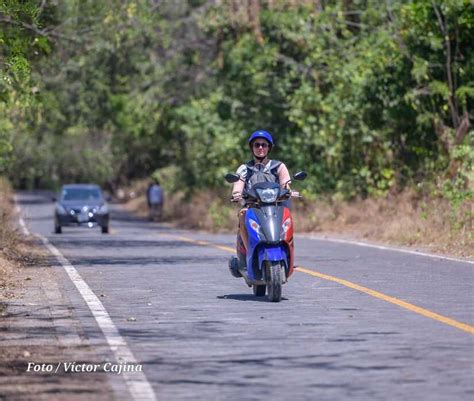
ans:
x=238 y=187
x=284 y=176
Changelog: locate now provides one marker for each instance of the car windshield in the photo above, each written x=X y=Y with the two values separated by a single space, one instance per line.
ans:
x=81 y=194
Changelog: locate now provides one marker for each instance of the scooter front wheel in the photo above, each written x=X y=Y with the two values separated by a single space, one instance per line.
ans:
x=274 y=281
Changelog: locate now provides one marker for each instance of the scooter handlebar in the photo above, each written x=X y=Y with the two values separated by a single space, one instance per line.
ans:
x=295 y=194
x=286 y=195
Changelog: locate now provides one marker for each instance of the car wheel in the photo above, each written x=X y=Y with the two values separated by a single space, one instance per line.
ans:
x=105 y=229
x=58 y=229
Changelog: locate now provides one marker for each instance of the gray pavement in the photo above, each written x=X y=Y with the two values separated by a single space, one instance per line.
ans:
x=202 y=335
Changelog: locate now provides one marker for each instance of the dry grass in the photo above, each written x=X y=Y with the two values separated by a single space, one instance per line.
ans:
x=405 y=219
x=9 y=242
x=15 y=250
x=208 y=211
x=135 y=198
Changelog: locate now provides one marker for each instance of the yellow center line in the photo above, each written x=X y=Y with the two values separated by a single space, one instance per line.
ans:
x=392 y=300
x=205 y=243
x=395 y=301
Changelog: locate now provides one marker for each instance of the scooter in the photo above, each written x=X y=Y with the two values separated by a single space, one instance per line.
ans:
x=268 y=260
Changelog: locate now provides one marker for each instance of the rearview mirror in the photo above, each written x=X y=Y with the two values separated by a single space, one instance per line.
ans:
x=231 y=177
x=300 y=175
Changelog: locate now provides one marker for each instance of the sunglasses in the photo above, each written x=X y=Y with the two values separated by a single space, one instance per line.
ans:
x=263 y=145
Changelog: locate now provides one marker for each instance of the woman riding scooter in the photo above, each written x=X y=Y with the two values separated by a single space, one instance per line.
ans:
x=256 y=170
x=265 y=247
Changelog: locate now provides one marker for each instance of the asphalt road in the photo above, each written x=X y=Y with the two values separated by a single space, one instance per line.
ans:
x=201 y=334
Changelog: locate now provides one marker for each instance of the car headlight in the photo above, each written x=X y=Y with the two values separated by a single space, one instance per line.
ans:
x=60 y=209
x=268 y=195
x=103 y=209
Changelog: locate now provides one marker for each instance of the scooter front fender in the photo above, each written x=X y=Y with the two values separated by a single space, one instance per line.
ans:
x=272 y=253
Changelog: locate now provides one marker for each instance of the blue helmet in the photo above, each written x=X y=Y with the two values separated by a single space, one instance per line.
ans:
x=261 y=134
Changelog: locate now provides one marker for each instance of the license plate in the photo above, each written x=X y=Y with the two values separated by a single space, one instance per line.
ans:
x=81 y=218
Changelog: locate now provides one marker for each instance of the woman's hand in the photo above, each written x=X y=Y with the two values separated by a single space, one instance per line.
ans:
x=236 y=196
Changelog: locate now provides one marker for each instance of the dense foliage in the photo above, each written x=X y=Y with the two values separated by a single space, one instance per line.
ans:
x=368 y=96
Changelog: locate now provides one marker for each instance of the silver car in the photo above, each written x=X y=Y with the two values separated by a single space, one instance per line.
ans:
x=81 y=205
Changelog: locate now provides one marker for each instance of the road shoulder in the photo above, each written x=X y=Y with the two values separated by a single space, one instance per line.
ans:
x=38 y=327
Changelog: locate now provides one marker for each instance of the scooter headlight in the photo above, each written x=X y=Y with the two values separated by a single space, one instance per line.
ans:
x=267 y=195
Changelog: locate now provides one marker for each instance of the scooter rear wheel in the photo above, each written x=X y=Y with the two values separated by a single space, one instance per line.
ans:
x=274 y=282
x=259 y=290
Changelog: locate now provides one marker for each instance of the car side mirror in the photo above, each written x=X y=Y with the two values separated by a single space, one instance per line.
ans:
x=300 y=175
x=231 y=177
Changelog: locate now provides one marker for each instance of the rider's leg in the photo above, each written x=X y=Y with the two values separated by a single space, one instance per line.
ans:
x=242 y=228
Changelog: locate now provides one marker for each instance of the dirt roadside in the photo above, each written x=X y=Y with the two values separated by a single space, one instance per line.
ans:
x=38 y=328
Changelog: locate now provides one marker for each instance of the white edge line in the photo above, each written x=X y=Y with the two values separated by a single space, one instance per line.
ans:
x=137 y=382
x=386 y=248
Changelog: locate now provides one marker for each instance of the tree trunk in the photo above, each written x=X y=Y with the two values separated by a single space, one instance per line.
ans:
x=254 y=18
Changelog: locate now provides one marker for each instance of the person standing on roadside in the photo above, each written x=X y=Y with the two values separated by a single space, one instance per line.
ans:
x=155 y=199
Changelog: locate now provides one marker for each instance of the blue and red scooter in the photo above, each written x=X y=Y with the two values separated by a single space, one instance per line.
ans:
x=268 y=260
